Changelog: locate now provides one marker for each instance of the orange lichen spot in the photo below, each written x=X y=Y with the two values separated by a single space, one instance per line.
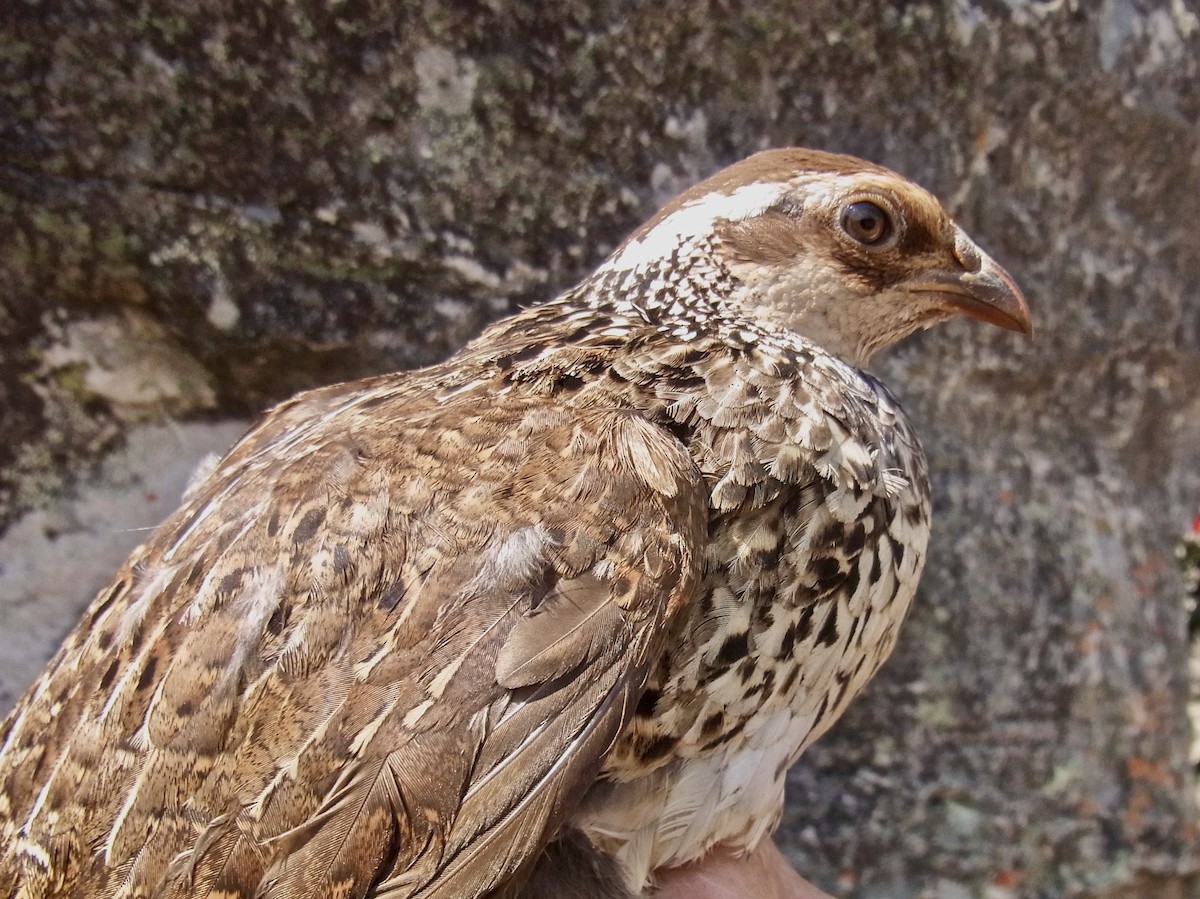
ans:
x=1148 y=770
x=1008 y=879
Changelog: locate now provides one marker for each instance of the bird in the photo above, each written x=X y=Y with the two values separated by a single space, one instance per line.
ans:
x=563 y=607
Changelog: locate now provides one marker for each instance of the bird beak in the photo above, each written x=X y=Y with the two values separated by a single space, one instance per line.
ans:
x=981 y=289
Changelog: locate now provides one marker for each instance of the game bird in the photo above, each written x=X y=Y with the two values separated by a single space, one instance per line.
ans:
x=555 y=614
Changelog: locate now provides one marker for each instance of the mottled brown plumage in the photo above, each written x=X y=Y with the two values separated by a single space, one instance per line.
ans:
x=597 y=579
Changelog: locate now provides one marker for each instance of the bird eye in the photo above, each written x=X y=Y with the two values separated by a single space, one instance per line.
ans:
x=866 y=223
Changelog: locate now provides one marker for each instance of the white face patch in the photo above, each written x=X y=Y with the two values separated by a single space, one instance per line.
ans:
x=694 y=220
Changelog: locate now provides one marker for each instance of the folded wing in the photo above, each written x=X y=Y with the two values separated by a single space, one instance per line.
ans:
x=382 y=651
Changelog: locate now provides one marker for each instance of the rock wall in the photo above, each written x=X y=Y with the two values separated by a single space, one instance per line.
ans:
x=204 y=208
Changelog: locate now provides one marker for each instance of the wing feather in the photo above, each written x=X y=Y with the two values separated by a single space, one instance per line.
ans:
x=566 y=630
x=381 y=651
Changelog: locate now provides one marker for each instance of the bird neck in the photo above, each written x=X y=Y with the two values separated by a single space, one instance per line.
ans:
x=695 y=291
x=682 y=297
x=656 y=317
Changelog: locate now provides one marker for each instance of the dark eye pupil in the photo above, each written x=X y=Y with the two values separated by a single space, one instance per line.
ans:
x=866 y=222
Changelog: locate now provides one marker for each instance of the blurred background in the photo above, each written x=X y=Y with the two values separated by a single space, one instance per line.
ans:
x=205 y=207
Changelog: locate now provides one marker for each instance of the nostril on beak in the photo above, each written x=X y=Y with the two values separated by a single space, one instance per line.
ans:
x=967 y=253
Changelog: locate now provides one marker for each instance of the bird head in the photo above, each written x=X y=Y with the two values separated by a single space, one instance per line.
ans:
x=849 y=255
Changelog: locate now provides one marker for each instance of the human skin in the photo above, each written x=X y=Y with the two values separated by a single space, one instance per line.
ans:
x=764 y=874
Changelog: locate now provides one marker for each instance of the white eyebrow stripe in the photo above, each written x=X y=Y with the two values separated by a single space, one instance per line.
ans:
x=693 y=220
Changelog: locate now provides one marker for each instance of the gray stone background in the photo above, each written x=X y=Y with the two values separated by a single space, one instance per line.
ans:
x=207 y=206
